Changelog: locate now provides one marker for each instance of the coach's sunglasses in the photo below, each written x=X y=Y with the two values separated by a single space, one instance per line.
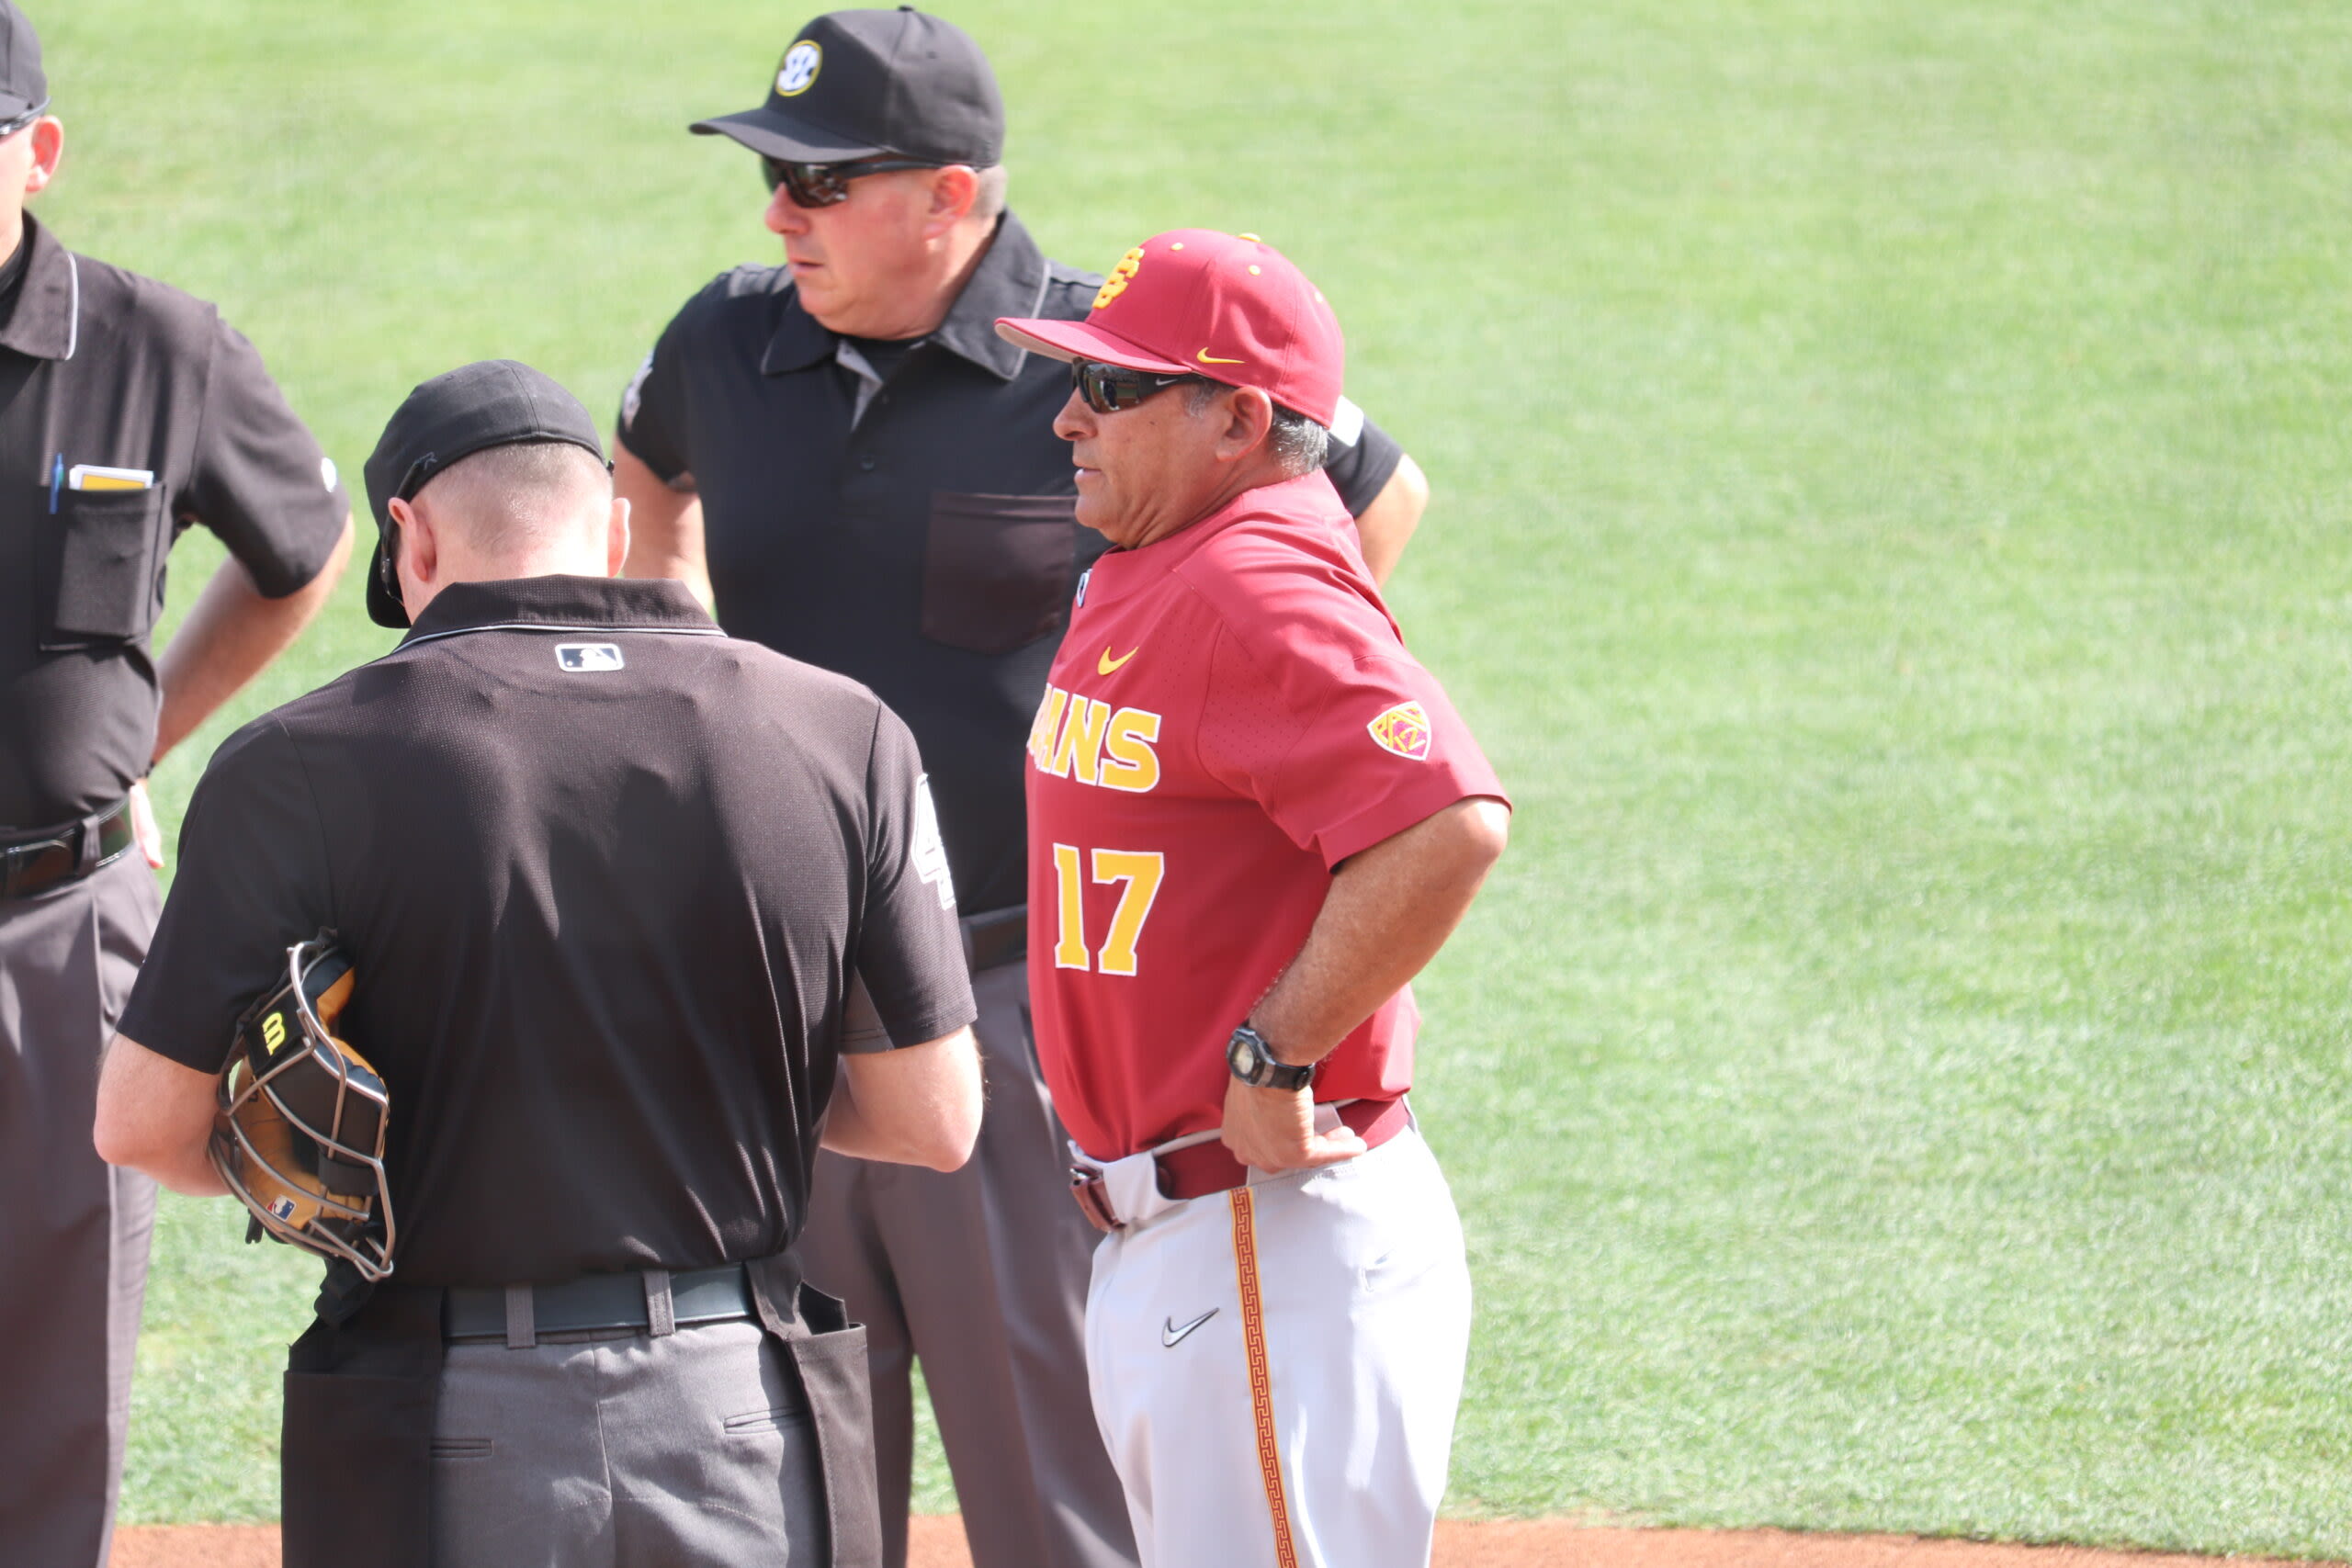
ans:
x=1111 y=389
x=825 y=185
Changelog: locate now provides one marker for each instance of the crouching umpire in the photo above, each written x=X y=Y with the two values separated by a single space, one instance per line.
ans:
x=605 y=875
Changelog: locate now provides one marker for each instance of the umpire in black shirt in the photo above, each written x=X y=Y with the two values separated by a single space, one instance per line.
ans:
x=128 y=411
x=609 y=880
x=843 y=453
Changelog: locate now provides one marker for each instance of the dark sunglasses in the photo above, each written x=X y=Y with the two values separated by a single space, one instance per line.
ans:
x=1110 y=389
x=824 y=185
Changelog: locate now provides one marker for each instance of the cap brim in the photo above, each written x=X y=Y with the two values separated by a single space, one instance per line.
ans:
x=1077 y=339
x=781 y=137
x=382 y=608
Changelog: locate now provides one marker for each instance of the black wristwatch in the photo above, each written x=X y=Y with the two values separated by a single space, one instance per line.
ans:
x=1253 y=1062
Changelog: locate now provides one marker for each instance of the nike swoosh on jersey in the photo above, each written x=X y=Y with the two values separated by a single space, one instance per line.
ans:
x=1171 y=1335
x=1106 y=665
x=1205 y=358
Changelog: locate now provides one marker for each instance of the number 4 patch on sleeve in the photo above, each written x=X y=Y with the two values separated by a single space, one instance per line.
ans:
x=930 y=851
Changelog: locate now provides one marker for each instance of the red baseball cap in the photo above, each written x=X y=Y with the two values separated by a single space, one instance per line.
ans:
x=1194 y=301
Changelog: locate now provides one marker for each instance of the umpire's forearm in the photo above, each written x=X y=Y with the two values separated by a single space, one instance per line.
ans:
x=1390 y=910
x=155 y=1115
x=230 y=635
x=664 y=524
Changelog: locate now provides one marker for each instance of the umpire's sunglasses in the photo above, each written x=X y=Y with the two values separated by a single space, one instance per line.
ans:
x=825 y=185
x=1110 y=389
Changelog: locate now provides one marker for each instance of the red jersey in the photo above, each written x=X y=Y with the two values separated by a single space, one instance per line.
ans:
x=1232 y=713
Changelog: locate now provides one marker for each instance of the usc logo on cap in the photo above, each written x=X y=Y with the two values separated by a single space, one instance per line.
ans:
x=1121 y=275
x=798 y=70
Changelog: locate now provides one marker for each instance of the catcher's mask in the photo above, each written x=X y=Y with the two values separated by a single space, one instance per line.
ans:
x=300 y=1134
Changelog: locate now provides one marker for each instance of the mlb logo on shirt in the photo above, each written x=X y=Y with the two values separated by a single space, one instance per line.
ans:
x=587 y=657
x=1403 y=730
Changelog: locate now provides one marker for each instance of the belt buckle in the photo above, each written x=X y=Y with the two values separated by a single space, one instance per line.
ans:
x=18 y=864
x=1094 y=1195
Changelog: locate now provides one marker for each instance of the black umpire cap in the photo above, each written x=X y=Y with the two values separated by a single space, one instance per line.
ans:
x=24 y=88
x=492 y=402
x=863 y=84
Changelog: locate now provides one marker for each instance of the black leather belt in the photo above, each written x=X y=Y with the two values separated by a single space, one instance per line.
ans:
x=1001 y=936
x=598 y=1302
x=35 y=862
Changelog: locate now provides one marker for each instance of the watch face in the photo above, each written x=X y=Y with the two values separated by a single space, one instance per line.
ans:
x=1241 y=1059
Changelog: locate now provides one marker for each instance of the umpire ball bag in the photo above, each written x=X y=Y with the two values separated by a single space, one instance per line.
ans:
x=300 y=1134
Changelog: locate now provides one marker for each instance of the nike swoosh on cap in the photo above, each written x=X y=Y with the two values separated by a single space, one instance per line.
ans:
x=1205 y=358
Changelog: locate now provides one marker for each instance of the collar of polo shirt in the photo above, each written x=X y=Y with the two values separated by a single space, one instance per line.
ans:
x=1011 y=278
x=46 y=322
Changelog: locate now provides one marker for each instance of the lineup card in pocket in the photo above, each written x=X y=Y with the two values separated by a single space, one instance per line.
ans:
x=90 y=476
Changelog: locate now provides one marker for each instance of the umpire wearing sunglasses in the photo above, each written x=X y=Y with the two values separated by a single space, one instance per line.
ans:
x=845 y=459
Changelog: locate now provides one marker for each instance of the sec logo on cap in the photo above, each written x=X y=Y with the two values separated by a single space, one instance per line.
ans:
x=798 y=69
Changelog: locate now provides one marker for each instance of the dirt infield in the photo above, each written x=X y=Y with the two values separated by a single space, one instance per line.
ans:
x=1541 y=1543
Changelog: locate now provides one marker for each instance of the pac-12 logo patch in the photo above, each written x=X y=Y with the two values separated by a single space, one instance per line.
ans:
x=798 y=70
x=588 y=658
x=1403 y=730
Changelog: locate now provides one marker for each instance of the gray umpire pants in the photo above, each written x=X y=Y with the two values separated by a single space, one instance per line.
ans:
x=625 y=1451
x=73 y=1230
x=982 y=1273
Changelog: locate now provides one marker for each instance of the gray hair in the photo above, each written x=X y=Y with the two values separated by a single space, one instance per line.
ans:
x=988 y=203
x=1299 y=445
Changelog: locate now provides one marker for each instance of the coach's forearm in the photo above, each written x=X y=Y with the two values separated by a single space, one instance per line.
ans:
x=1390 y=910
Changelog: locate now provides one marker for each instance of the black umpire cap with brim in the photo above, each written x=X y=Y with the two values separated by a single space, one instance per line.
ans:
x=24 y=86
x=866 y=83
x=493 y=402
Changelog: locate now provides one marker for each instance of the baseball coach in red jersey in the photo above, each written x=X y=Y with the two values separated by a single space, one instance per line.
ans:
x=1253 y=817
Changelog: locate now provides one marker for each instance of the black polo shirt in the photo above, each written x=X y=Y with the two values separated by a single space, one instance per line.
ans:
x=102 y=368
x=603 y=871
x=915 y=531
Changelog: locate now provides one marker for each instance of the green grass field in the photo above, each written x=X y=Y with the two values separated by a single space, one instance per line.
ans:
x=1891 y=483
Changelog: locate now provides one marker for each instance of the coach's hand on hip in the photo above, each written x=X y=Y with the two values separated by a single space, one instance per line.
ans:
x=1273 y=1129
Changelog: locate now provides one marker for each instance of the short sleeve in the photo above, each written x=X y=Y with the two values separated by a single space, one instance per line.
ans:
x=1340 y=751
x=1362 y=469
x=861 y=1031
x=909 y=950
x=251 y=882
x=259 y=479
x=653 y=416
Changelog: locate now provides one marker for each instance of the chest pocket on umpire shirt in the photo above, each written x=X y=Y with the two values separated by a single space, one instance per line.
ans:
x=996 y=569
x=102 y=564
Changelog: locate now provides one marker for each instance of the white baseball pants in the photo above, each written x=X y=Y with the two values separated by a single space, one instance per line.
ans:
x=1276 y=1369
